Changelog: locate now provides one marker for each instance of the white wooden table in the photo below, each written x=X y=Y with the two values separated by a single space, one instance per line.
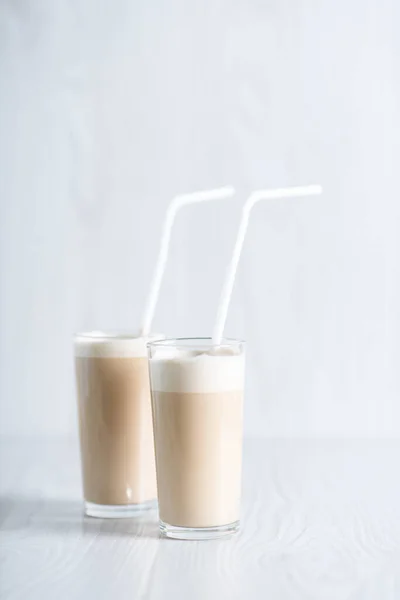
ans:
x=320 y=520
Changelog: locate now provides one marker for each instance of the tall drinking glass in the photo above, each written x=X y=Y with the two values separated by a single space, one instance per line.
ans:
x=197 y=402
x=115 y=424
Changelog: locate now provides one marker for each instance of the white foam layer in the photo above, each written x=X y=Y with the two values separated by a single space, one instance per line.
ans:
x=193 y=372
x=109 y=345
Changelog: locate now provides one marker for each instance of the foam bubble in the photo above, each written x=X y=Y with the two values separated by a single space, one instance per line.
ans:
x=112 y=345
x=197 y=371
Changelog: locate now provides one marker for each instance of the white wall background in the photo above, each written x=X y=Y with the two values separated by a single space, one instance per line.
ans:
x=107 y=109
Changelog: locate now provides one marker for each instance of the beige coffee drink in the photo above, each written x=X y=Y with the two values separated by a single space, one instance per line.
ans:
x=115 y=424
x=197 y=401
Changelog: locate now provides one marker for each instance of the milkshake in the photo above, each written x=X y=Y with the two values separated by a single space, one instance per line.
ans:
x=115 y=424
x=197 y=402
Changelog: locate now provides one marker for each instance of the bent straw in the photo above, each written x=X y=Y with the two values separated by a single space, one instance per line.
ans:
x=176 y=204
x=256 y=196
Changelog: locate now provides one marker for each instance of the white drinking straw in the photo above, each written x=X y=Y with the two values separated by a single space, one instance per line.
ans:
x=176 y=204
x=291 y=192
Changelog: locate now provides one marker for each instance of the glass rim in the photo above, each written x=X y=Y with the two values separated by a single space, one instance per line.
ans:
x=112 y=334
x=178 y=342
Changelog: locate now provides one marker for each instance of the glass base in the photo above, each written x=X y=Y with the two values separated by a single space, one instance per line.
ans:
x=119 y=511
x=198 y=533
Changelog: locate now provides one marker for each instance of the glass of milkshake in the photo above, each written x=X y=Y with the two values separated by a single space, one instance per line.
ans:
x=115 y=423
x=197 y=402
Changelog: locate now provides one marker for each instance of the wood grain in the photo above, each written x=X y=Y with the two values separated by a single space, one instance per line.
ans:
x=320 y=520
